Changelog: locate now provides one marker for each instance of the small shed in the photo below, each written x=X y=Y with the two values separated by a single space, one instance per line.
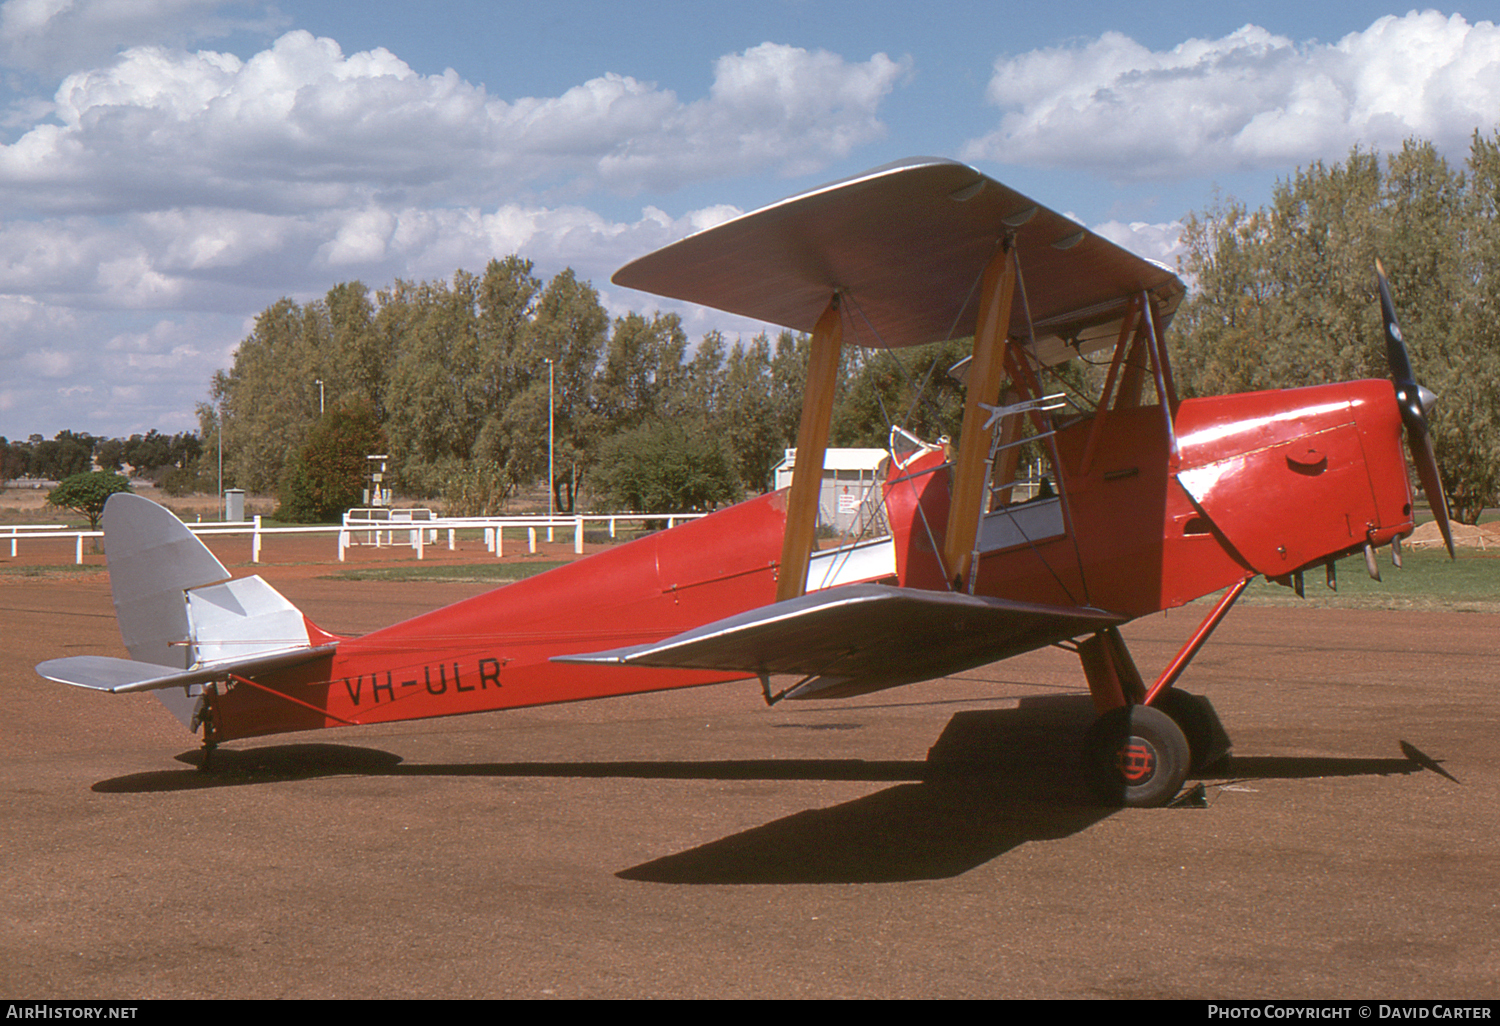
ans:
x=850 y=497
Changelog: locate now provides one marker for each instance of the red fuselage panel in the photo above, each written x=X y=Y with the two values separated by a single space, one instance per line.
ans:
x=492 y=651
x=1291 y=478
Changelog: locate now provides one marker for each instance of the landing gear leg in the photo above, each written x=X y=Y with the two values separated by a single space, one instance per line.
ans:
x=1134 y=754
x=205 y=716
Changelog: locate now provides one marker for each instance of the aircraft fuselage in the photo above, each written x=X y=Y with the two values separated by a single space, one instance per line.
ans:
x=1151 y=518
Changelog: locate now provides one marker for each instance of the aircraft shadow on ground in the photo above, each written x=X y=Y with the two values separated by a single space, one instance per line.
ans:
x=994 y=780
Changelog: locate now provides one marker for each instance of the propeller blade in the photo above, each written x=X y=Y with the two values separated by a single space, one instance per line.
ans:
x=1414 y=401
x=1432 y=484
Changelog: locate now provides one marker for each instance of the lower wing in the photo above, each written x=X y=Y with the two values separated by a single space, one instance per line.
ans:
x=864 y=637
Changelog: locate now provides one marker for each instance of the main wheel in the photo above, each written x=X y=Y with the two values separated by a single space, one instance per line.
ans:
x=1136 y=756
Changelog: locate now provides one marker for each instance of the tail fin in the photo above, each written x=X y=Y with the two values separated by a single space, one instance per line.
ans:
x=181 y=617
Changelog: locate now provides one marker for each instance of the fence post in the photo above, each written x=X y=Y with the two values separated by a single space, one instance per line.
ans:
x=578 y=536
x=531 y=539
x=255 y=541
x=78 y=550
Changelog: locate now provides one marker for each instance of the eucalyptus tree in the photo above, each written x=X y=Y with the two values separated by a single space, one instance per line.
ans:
x=1286 y=296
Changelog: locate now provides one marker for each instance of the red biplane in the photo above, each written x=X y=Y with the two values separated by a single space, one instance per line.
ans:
x=1147 y=502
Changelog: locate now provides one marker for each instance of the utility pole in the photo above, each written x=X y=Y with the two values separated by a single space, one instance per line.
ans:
x=551 y=418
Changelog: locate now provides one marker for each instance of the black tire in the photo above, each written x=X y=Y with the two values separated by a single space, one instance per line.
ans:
x=1195 y=722
x=1136 y=756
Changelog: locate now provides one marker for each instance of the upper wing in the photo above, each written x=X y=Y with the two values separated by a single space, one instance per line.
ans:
x=864 y=637
x=907 y=243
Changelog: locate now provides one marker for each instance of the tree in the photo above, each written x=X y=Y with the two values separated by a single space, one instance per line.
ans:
x=908 y=388
x=269 y=397
x=1285 y=295
x=67 y=454
x=747 y=418
x=87 y=494
x=327 y=475
x=643 y=374
x=570 y=328
x=662 y=467
x=14 y=458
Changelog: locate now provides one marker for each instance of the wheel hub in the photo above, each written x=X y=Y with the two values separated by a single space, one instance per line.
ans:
x=1136 y=761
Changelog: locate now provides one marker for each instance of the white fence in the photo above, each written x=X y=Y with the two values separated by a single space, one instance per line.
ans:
x=415 y=533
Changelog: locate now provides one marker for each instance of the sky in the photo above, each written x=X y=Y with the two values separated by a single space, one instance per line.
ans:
x=170 y=168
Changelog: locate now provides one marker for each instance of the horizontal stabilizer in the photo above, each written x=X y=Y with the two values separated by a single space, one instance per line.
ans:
x=868 y=636
x=122 y=676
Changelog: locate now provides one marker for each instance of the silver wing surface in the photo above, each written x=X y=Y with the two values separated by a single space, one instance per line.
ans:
x=863 y=637
x=905 y=245
x=125 y=676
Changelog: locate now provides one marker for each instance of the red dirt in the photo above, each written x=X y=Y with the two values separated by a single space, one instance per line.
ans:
x=930 y=841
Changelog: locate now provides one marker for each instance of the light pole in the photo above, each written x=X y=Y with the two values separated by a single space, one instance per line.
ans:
x=551 y=417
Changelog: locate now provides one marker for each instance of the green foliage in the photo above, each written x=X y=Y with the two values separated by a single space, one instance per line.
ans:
x=13 y=459
x=178 y=482
x=328 y=474
x=643 y=371
x=759 y=405
x=152 y=455
x=152 y=452
x=478 y=489
x=1285 y=296
x=910 y=388
x=662 y=467
x=473 y=572
x=465 y=376
x=472 y=378
x=87 y=493
x=67 y=454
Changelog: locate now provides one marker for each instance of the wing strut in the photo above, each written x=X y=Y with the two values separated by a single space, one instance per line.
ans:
x=985 y=373
x=812 y=442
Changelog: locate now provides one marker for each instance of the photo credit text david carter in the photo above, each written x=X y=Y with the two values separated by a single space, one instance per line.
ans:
x=1282 y=1010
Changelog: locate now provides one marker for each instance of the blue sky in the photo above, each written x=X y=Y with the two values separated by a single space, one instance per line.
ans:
x=168 y=168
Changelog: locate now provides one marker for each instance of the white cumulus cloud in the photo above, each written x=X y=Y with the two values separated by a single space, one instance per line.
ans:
x=302 y=126
x=165 y=194
x=1249 y=100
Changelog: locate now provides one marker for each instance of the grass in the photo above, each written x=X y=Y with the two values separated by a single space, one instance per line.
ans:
x=58 y=570
x=1428 y=580
x=480 y=572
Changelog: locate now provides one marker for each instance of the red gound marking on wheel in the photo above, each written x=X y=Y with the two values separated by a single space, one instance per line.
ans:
x=1136 y=761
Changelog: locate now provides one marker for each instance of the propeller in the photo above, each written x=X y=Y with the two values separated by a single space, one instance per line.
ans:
x=1414 y=401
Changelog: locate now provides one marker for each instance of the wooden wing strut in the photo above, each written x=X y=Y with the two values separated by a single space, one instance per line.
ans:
x=812 y=443
x=986 y=371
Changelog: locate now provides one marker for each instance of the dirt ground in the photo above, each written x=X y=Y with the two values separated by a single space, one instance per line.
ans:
x=931 y=841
